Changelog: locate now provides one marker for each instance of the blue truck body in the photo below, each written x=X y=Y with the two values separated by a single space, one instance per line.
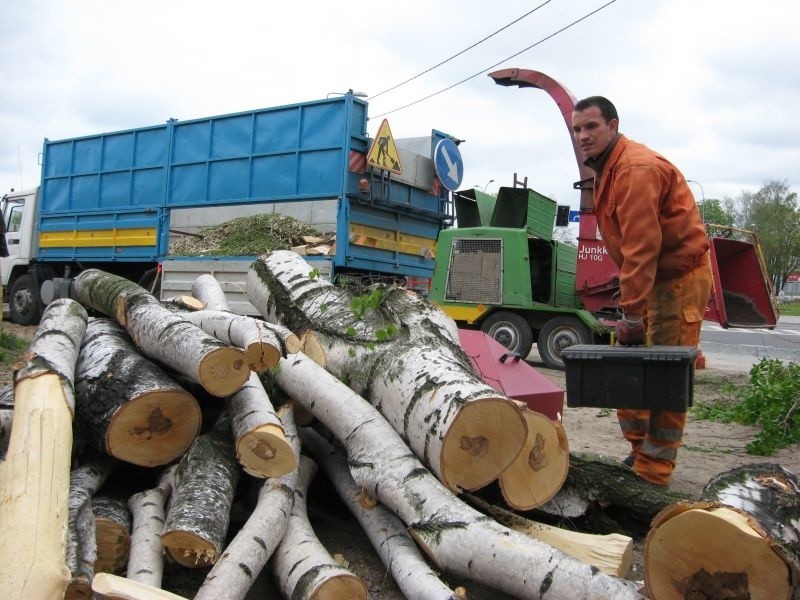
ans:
x=115 y=200
x=109 y=197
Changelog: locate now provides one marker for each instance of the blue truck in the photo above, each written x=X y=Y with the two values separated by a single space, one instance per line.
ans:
x=114 y=201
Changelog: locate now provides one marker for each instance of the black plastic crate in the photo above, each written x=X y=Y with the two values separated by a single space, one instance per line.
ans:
x=640 y=377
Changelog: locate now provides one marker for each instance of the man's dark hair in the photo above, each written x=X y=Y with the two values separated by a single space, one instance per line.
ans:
x=608 y=110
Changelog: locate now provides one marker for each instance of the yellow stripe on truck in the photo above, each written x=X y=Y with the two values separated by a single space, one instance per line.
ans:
x=99 y=237
x=385 y=239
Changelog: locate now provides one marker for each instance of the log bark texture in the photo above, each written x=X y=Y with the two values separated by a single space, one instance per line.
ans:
x=741 y=542
x=303 y=567
x=403 y=355
x=6 y=418
x=34 y=479
x=146 y=558
x=605 y=495
x=388 y=534
x=81 y=536
x=245 y=557
x=199 y=510
x=163 y=335
x=127 y=406
x=460 y=539
x=112 y=524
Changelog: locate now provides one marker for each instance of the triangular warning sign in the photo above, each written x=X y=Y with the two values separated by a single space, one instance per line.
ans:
x=383 y=152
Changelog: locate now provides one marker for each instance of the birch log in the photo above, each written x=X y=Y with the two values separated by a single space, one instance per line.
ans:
x=112 y=524
x=388 y=535
x=126 y=405
x=741 y=542
x=259 y=342
x=146 y=558
x=261 y=445
x=199 y=509
x=303 y=567
x=539 y=471
x=460 y=539
x=6 y=418
x=163 y=335
x=34 y=479
x=611 y=553
x=209 y=291
x=81 y=535
x=403 y=355
x=244 y=558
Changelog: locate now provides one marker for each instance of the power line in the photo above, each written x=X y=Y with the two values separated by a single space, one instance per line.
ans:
x=544 y=39
x=468 y=48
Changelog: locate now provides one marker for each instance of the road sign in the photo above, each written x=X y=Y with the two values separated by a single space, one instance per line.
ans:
x=574 y=216
x=383 y=152
x=448 y=164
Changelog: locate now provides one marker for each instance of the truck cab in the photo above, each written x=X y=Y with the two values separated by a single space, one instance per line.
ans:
x=19 y=211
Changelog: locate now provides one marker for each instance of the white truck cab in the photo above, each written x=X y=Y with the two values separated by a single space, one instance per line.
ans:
x=18 y=211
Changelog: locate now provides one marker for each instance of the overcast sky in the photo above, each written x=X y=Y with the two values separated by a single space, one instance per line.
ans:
x=714 y=85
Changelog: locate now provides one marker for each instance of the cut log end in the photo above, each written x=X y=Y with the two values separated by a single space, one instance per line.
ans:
x=112 y=587
x=342 y=586
x=262 y=357
x=469 y=459
x=735 y=557
x=223 y=371
x=312 y=348
x=78 y=589
x=538 y=473
x=292 y=343
x=265 y=452
x=189 y=550
x=113 y=546
x=154 y=429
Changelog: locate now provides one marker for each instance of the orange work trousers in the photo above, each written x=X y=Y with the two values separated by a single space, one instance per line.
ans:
x=674 y=318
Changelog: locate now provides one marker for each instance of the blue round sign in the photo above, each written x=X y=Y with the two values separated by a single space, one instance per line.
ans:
x=448 y=164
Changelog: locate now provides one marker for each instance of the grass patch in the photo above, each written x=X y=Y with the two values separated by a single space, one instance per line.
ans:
x=11 y=346
x=790 y=310
x=770 y=400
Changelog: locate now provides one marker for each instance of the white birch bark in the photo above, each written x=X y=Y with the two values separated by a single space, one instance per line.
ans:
x=261 y=445
x=163 y=335
x=303 y=567
x=461 y=540
x=386 y=532
x=146 y=558
x=81 y=542
x=245 y=557
x=6 y=418
x=260 y=343
x=199 y=509
x=404 y=357
x=209 y=291
x=34 y=479
x=126 y=405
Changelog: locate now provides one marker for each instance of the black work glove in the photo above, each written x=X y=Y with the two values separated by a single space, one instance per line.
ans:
x=630 y=331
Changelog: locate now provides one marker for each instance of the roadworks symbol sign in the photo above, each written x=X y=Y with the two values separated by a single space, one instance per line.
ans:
x=383 y=152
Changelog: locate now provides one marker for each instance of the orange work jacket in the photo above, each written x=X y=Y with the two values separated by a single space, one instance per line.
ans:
x=649 y=221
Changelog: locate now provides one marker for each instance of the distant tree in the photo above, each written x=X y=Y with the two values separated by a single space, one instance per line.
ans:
x=772 y=213
x=713 y=211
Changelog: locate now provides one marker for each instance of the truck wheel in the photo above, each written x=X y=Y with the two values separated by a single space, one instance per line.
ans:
x=559 y=333
x=23 y=303
x=511 y=330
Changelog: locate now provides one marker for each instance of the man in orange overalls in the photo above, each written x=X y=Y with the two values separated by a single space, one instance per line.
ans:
x=653 y=232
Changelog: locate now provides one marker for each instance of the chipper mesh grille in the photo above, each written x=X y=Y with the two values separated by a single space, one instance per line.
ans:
x=475 y=274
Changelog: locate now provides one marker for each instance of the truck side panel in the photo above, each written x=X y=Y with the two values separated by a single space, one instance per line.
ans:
x=111 y=197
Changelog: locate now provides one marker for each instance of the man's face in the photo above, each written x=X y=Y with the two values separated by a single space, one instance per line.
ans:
x=592 y=133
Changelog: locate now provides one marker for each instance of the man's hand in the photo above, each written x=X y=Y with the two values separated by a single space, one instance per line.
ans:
x=630 y=331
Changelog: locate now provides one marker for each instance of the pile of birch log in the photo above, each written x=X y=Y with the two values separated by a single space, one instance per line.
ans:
x=373 y=389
